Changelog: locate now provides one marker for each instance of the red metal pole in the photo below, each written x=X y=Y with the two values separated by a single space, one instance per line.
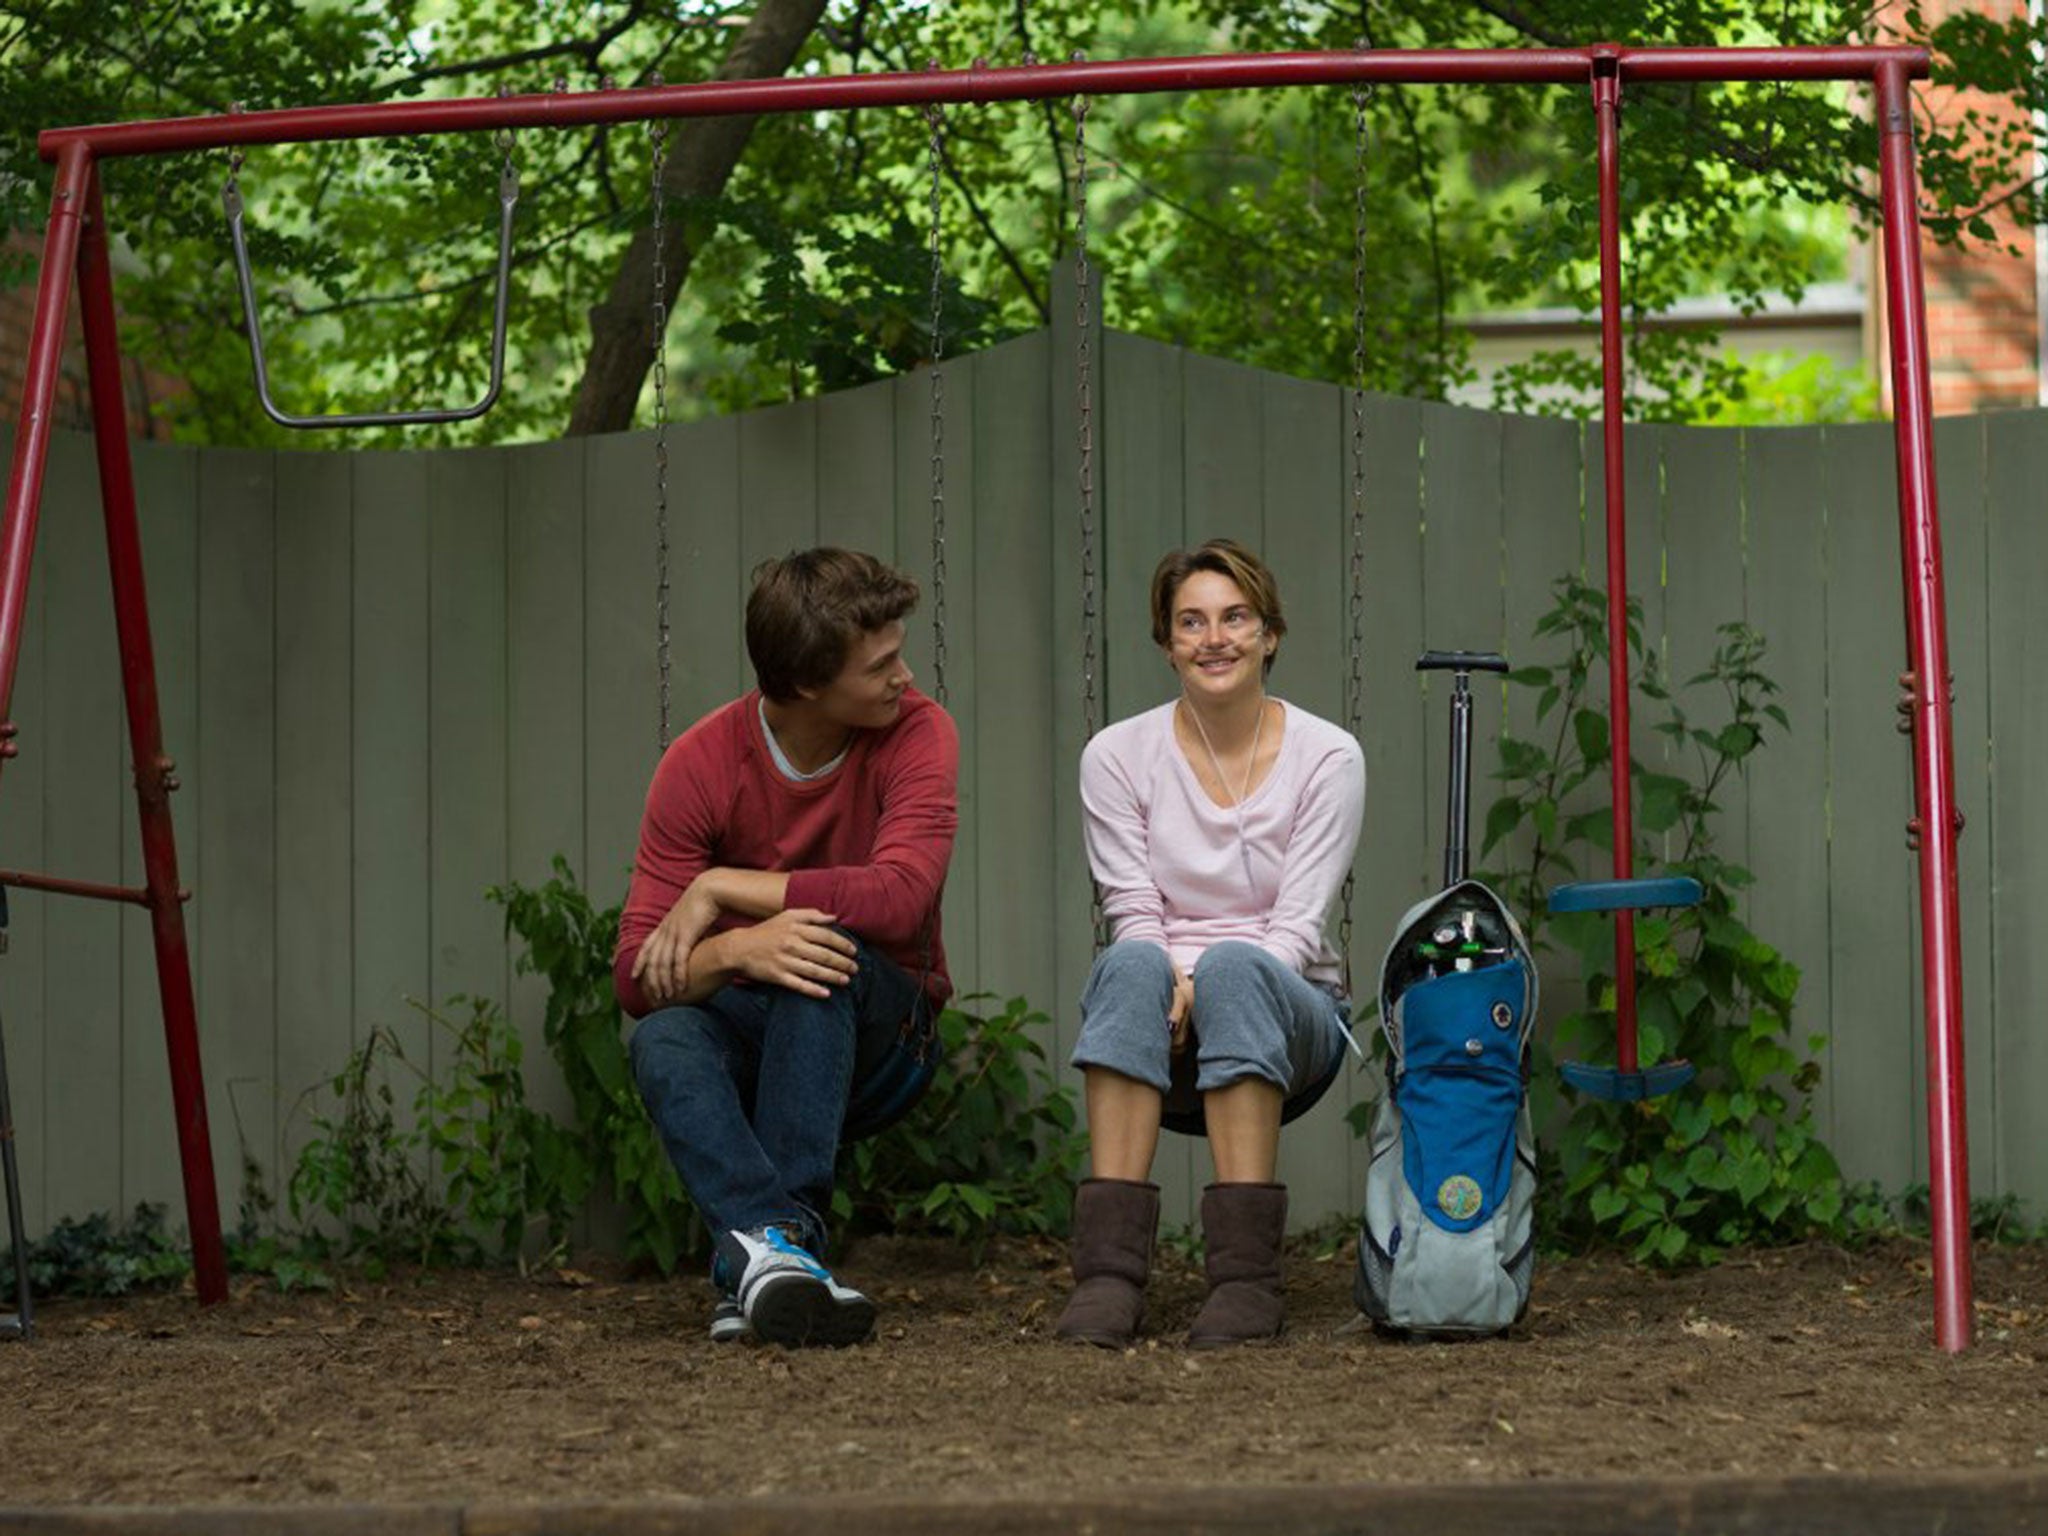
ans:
x=153 y=771
x=1607 y=118
x=32 y=441
x=819 y=93
x=1934 y=785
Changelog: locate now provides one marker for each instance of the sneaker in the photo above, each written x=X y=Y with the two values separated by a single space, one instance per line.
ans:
x=728 y=1322
x=787 y=1297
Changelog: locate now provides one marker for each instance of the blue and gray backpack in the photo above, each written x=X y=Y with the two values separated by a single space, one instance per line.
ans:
x=1446 y=1245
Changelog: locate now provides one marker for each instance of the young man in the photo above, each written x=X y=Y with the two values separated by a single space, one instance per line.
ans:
x=780 y=943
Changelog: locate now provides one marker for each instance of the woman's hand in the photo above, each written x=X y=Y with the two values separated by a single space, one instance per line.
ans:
x=662 y=967
x=1180 y=1014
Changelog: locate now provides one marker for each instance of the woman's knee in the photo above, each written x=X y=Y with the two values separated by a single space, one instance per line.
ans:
x=1234 y=963
x=1131 y=963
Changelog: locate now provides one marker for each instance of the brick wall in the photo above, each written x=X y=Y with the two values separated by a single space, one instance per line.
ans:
x=1983 y=324
x=141 y=386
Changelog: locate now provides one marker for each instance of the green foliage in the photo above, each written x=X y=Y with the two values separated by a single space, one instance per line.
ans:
x=1781 y=390
x=464 y=1179
x=96 y=1256
x=568 y=943
x=1222 y=220
x=992 y=1147
x=1734 y=1157
x=1993 y=1218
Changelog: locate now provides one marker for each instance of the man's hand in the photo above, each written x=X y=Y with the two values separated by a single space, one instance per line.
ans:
x=1180 y=1014
x=798 y=949
x=662 y=967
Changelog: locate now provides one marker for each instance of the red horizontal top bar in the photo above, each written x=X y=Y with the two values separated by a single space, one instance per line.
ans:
x=1538 y=66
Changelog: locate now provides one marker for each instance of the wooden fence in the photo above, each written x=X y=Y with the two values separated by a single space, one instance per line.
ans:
x=395 y=679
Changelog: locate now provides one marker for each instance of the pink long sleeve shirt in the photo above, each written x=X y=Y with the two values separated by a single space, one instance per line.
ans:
x=868 y=841
x=1178 y=870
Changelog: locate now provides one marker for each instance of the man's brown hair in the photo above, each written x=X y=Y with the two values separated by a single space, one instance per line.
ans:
x=808 y=608
x=1224 y=557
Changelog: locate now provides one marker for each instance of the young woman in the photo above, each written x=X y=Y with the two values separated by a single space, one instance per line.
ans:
x=1220 y=827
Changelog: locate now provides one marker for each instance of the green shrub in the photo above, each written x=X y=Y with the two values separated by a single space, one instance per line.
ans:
x=1734 y=1157
x=96 y=1256
x=466 y=1178
x=990 y=1148
x=568 y=943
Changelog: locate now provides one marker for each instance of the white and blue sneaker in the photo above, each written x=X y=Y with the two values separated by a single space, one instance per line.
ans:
x=787 y=1297
x=728 y=1322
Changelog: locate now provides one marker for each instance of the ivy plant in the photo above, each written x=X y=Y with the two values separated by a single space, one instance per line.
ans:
x=1734 y=1157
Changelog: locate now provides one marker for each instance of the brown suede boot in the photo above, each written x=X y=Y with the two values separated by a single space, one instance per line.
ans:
x=1114 y=1220
x=1243 y=1225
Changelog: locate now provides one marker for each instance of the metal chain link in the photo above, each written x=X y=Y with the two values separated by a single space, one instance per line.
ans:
x=657 y=134
x=936 y=152
x=1084 y=369
x=1354 y=694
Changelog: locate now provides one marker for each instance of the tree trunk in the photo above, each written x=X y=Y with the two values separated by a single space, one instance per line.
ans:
x=703 y=152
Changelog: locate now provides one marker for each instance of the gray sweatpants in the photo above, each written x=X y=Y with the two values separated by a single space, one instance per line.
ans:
x=1253 y=1018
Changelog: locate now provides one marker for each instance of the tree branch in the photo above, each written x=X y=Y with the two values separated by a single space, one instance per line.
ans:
x=706 y=151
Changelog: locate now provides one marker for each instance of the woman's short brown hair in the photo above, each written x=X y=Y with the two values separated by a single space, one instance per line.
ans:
x=1225 y=557
x=808 y=608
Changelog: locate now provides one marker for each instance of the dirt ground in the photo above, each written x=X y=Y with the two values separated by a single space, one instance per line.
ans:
x=587 y=1384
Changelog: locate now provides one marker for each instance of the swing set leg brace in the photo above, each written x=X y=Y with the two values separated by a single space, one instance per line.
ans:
x=77 y=236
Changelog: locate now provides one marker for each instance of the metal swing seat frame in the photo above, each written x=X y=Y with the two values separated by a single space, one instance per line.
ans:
x=75 y=260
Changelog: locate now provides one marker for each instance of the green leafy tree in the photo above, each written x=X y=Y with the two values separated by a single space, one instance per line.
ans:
x=796 y=257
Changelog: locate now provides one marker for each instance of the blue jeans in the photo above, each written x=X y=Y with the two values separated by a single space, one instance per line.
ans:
x=753 y=1088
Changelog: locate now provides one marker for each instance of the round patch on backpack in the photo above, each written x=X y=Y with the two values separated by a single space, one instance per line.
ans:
x=1459 y=1197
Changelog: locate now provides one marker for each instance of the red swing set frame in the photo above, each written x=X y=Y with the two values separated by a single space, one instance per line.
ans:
x=75 y=249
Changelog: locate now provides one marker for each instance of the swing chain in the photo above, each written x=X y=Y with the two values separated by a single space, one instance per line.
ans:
x=1083 y=369
x=1354 y=695
x=657 y=133
x=1083 y=366
x=936 y=123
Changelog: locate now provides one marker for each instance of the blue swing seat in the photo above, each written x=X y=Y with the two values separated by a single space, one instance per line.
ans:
x=1611 y=1083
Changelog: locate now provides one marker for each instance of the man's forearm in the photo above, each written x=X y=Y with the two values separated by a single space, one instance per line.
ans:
x=753 y=893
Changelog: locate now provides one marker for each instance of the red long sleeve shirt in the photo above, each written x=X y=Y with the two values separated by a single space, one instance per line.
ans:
x=868 y=842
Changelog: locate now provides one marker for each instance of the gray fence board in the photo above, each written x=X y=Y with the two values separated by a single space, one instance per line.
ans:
x=544 y=668
x=237 y=767
x=1703 y=589
x=1959 y=464
x=1306 y=537
x=315 y=791
x=83 y=804
x=396 y=678
x=390 y=735
x=167 y=511
x=1145 y=493
x=1010 y=714
x=901 y=449
x=1461 y=580
x=467 y=739
x=621 y=708
x=1223 y=467
x=1869 y=798
x=2011 y=841
x=1788 y=601
x=1399 y=855
x=1076 y=615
